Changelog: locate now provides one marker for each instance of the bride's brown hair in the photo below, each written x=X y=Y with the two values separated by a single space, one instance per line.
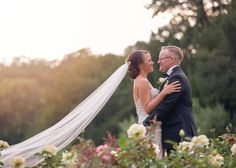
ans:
x=135 y=59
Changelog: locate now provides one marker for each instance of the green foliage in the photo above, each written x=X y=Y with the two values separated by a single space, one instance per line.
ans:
x=200 y=152
x=187 y=14
x=21 y=99
x=136 y=153
x=206 y=118
x=49 y=161
x=125 y=124
x=213 y=64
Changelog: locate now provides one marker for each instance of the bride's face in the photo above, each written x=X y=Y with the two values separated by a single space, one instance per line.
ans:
x=147 y=64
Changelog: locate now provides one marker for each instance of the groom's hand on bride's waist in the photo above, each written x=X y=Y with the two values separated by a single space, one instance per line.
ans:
x=147 y=122
x=150 y=121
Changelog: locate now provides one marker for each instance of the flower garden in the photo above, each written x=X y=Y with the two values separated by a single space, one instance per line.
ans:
x=138 y=151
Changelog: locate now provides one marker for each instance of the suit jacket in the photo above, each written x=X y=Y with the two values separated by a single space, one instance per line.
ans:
x=175 y=111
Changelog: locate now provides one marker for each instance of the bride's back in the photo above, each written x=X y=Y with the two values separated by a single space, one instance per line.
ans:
x=139 y=107
x=142 y=83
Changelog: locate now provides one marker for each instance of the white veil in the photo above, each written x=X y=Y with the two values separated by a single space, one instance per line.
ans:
x=66 y=130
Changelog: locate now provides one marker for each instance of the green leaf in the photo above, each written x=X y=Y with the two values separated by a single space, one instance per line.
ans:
x=122 y=142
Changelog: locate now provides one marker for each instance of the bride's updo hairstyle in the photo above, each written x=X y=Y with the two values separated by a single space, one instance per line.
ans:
x=135 y=59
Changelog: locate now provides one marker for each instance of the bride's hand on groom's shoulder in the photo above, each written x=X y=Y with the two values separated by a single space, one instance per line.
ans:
x=172 y=87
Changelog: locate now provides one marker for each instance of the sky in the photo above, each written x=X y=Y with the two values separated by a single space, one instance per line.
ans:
x=50 y=29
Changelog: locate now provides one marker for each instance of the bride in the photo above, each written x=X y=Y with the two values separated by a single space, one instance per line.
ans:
x=145 y=96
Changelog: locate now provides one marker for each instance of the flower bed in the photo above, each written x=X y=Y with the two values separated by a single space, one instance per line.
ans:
x=138 y=151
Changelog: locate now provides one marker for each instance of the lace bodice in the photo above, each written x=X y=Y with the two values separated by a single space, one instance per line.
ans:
x=139 y=107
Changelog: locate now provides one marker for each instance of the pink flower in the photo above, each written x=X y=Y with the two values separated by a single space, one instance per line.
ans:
x=101 y=149
x=104 y=153
x=118 y=149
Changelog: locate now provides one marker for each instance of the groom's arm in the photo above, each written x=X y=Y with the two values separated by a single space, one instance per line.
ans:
x=148 y=120
x=165 y=107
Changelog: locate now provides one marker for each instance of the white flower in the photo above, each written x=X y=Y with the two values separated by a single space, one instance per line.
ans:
x=3 y=144
x=217 y=160
x=200 y=141
x=185 y=146
x=136 y=131
x=69 y=159
x=113 y=152
x=51 y=149
x=233 y=149
x=17 y=162
x=161 y=80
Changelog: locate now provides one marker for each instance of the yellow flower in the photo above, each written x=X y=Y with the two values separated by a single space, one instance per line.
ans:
x=17 y=162
x=185 y=146
x=51 y=149
x=69 y=159
x=200 y=141
x=3 y=144
x=217 y=160
x=136 y=131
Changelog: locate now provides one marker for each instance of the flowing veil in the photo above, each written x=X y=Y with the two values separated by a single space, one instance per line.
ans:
x=67 y=129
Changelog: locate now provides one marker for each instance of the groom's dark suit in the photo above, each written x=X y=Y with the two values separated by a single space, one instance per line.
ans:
x=175 y=111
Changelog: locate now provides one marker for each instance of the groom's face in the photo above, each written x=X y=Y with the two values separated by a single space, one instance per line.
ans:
x=165 y=60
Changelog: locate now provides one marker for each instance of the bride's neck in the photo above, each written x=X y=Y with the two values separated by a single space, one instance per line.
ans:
x=143 y=74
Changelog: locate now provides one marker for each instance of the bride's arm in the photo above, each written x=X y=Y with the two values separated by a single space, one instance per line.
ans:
x=145 y=94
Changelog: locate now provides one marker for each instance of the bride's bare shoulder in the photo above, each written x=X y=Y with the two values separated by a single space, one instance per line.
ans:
x=141 y=81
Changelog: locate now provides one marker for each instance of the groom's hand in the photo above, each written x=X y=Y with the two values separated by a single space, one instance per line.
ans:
x=148 y=122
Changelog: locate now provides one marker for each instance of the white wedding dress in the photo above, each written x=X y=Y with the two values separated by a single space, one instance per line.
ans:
x=154 y=133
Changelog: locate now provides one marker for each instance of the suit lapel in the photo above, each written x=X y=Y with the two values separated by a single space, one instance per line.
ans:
x=175 y=70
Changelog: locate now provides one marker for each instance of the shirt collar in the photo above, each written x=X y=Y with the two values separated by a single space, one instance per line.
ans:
x=171 y=69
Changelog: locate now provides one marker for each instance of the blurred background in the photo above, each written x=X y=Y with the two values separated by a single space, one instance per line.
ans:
x=37 y=90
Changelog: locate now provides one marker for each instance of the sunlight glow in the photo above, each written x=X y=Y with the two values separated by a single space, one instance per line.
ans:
x=50 y=29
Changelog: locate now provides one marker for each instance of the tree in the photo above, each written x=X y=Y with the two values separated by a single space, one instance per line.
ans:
x=187 y=13
x=21 y=99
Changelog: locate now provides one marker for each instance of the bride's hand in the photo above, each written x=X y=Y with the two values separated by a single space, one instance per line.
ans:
x=171 y=88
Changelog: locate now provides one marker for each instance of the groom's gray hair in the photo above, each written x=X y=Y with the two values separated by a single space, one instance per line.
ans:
x=175 y=50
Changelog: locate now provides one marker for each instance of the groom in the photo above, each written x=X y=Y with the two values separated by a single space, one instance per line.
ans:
x=175 y=111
